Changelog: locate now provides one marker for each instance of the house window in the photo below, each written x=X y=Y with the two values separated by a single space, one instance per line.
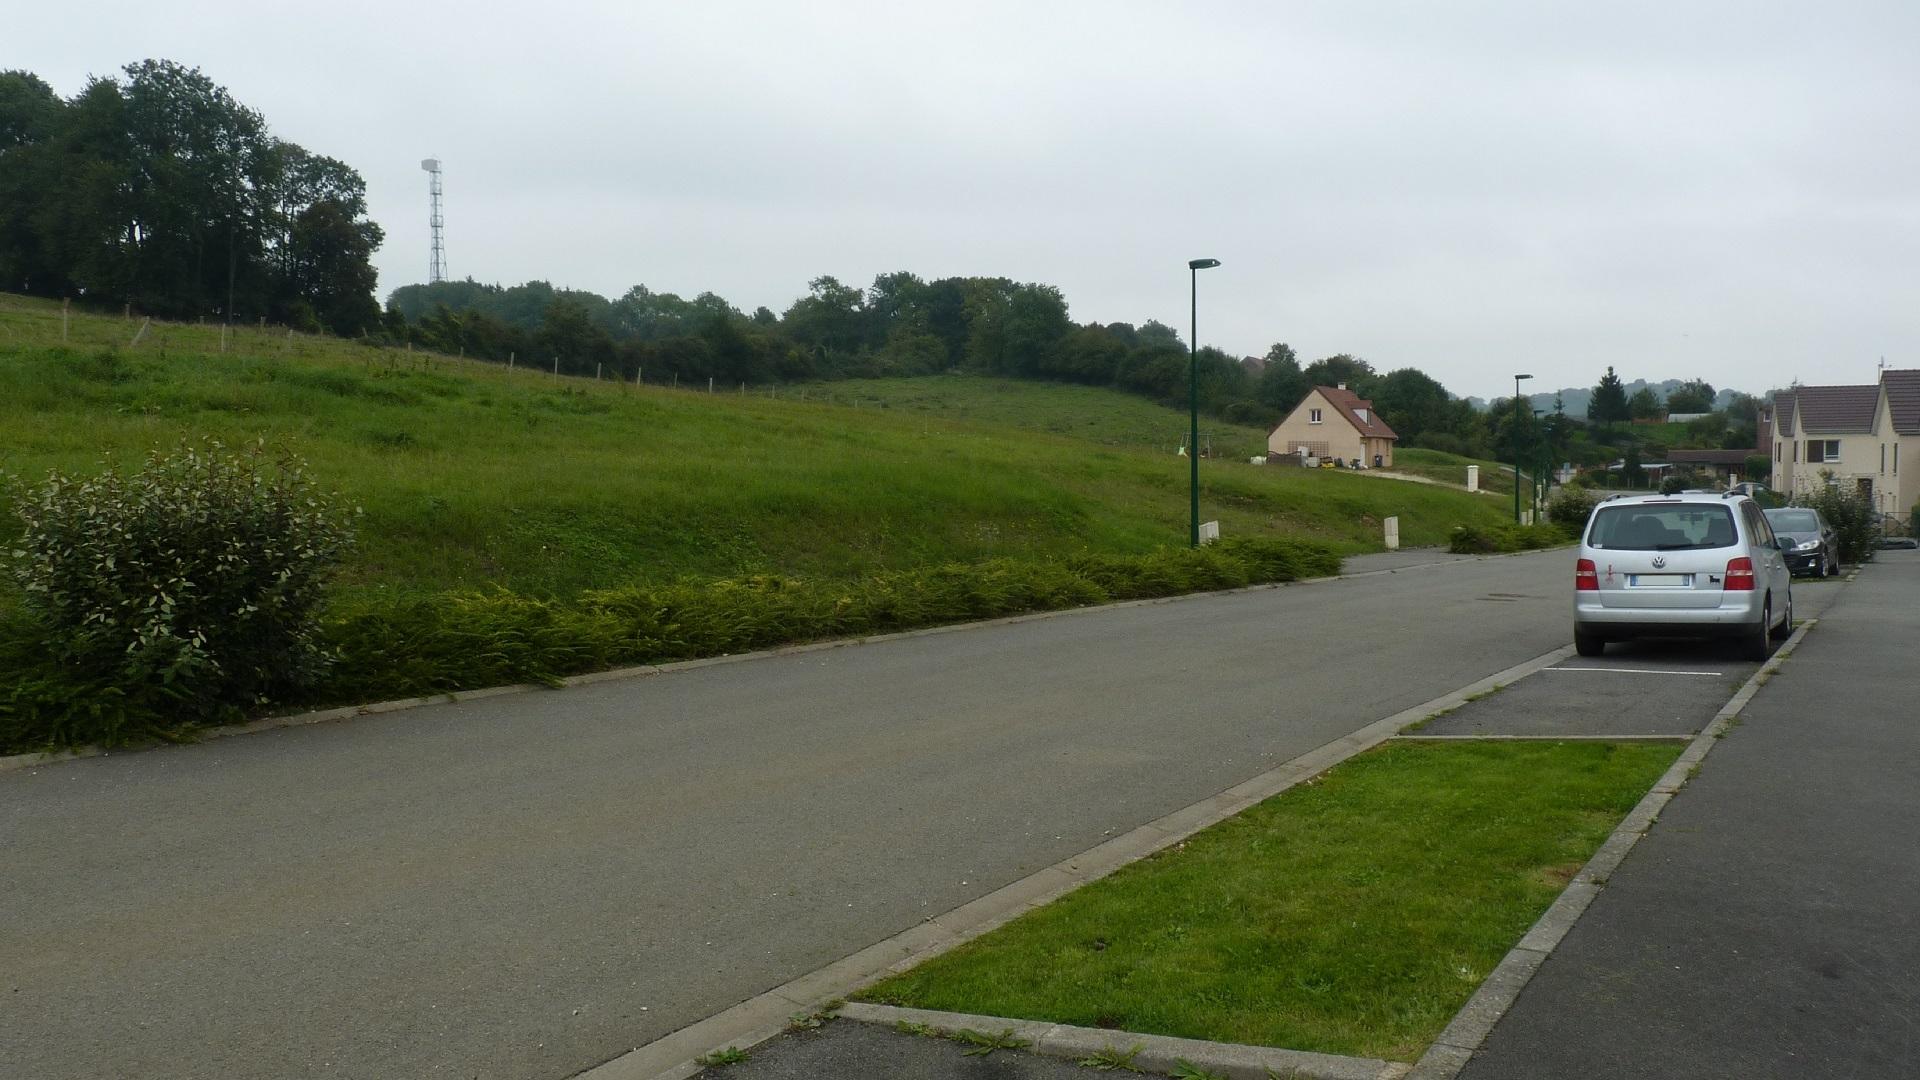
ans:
x=1313 y=416
x=1883 y=457
x=1820 y=451
x=1896 y=459
x=1777 y=451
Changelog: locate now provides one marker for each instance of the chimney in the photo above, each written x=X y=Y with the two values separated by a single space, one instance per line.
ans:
x=1343 y=386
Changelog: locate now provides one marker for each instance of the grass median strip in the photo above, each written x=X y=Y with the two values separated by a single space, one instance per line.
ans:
x=1354 y=914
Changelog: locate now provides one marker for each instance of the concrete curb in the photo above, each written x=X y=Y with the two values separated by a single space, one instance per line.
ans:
x=1152 y=1053
x=756 y=1019
x=13 y=762
x=1457 y=1043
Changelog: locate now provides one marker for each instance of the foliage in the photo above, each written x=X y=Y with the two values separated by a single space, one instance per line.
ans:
x=1489 y=540
x=186 y=592
x=1644 y=404
x=1692 y=396
x=1570 y=508
x=1609 y=402
x=1757 y=467
x=1851 y=515
x=160 y=190
x=438 y=644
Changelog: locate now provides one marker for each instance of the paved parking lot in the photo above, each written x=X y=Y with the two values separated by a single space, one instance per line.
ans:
x=1638 y=688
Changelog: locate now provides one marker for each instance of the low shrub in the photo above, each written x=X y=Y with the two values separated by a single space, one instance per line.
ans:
x=464 y=641
x=186 y=592
x=1570 y=509
x=1472 y=540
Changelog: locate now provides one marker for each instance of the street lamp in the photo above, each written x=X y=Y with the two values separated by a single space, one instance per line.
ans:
x=1194 y=266
x=1516 y=446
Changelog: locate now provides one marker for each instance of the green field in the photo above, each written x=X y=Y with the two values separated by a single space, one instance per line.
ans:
x=472 y=476
x=1452 y=468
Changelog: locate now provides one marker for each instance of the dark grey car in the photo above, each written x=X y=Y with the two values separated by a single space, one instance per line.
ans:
x=1816 y=547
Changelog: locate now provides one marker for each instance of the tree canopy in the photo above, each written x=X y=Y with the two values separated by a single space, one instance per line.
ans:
x=160 y=190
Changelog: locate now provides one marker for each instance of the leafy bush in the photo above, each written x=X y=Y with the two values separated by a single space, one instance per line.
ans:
x=1570 y=509
x=1851 y=516
x=1469 y=540
x=427 y=645
x=187 y=592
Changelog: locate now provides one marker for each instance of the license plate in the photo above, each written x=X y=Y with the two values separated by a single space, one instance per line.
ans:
x=1659 y=581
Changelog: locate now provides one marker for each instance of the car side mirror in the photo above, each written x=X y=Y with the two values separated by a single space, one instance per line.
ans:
x=1783 y=543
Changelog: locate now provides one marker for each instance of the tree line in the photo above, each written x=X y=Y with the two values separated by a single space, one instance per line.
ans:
x=901 y=325
x=159 y=190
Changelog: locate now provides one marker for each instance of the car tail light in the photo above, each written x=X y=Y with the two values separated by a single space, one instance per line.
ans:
x=1586 y=576
x=1740 y=575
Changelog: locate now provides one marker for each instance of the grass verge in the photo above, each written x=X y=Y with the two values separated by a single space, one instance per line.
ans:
x=1354 y=914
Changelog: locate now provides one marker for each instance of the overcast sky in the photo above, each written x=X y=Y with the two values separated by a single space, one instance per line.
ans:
x=1723 y=190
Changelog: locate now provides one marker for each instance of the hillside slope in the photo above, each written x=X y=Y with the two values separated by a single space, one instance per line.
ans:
x=473 y=476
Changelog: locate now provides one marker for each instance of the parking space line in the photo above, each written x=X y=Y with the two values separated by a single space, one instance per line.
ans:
x=1636 y=670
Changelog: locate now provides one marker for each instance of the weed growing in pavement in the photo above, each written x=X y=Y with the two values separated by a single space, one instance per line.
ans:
x=912 y=1027
x=732 y=1055
x=810 y=1021
x=1112 y=1058
x=1187 y=1070
x=984 y=1044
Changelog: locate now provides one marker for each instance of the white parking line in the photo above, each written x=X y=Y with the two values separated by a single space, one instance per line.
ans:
x=1636 y=670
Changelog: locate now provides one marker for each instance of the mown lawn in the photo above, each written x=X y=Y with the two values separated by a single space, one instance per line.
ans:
x=473 y=477
x=1354 y=914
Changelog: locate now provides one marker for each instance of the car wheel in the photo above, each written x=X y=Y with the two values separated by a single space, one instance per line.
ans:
x=1588 y=643
x=1757 y=643
x=1786 y=624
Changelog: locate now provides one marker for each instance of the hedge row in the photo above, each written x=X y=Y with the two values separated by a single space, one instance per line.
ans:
x=446 y=643
x=1469 y=540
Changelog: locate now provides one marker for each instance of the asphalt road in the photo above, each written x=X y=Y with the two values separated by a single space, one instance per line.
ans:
x=1766 y=926
x=525 y=886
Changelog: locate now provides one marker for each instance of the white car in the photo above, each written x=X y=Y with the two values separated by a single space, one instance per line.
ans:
x=1694 y=564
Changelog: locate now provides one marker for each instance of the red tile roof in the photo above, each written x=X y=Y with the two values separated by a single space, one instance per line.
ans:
x=1350 y=404
x=1903 y=398
x=1838 y=410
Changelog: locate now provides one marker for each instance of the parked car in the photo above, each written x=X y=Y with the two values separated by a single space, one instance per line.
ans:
x=1816 y=547
x=1684 y=565
x=1748 y=487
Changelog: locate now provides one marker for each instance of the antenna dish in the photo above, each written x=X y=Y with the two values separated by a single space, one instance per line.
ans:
x=431 y=164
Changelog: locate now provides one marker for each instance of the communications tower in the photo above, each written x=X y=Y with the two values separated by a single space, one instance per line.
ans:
x=437 y=267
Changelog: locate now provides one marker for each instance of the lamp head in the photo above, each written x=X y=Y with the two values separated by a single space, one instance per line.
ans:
x=1202 y=264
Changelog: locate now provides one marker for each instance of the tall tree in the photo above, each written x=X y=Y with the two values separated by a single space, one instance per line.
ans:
x=1692 y=396
x=1356 y=374
x=1644 y=404
x=1609 y=403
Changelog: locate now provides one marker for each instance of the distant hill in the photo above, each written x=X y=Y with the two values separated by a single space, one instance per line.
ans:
x=1576 y=398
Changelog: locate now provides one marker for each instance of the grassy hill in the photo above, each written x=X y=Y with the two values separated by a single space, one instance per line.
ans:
x=473 y=476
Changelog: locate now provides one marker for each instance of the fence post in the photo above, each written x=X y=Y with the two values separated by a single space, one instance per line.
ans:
x=138 y=334
x=66 y=307
x=709 y=384
x=596 y=371
x=556 y=367
x=509 y=361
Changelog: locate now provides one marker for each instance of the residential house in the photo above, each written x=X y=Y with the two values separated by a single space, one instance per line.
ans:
x=1725 y=466
x=1334 y=422
x=1853 y=435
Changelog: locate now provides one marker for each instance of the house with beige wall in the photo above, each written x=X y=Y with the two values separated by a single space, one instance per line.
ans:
x=1865 y=436
x=1332 y=422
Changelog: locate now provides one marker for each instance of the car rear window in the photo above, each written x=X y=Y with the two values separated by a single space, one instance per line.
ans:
x=1675 y=527
x=1794 y=520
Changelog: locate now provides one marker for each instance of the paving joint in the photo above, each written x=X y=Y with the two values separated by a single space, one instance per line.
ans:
x=671 y=1057
x=1151 y=1053
x=1462 y=1037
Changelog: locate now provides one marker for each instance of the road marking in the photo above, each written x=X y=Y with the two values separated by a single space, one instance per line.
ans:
x=1638 y=670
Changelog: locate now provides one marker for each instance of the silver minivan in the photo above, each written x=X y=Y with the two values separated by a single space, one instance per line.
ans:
x=1694 y=564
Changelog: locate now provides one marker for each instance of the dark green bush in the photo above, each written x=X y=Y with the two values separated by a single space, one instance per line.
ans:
x=454 y=642
x=1471 y=540
x=1570 y=509
x=186 y=592
x=1851 y=516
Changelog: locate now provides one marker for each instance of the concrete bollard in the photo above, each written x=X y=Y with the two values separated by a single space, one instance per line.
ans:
x=1393 y=533
x=1473 y=478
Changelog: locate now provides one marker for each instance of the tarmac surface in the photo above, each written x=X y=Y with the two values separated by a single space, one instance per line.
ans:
x=1767 y=926
x=531 y=884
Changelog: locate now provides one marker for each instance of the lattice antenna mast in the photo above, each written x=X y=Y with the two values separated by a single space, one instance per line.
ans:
x=437 y=267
